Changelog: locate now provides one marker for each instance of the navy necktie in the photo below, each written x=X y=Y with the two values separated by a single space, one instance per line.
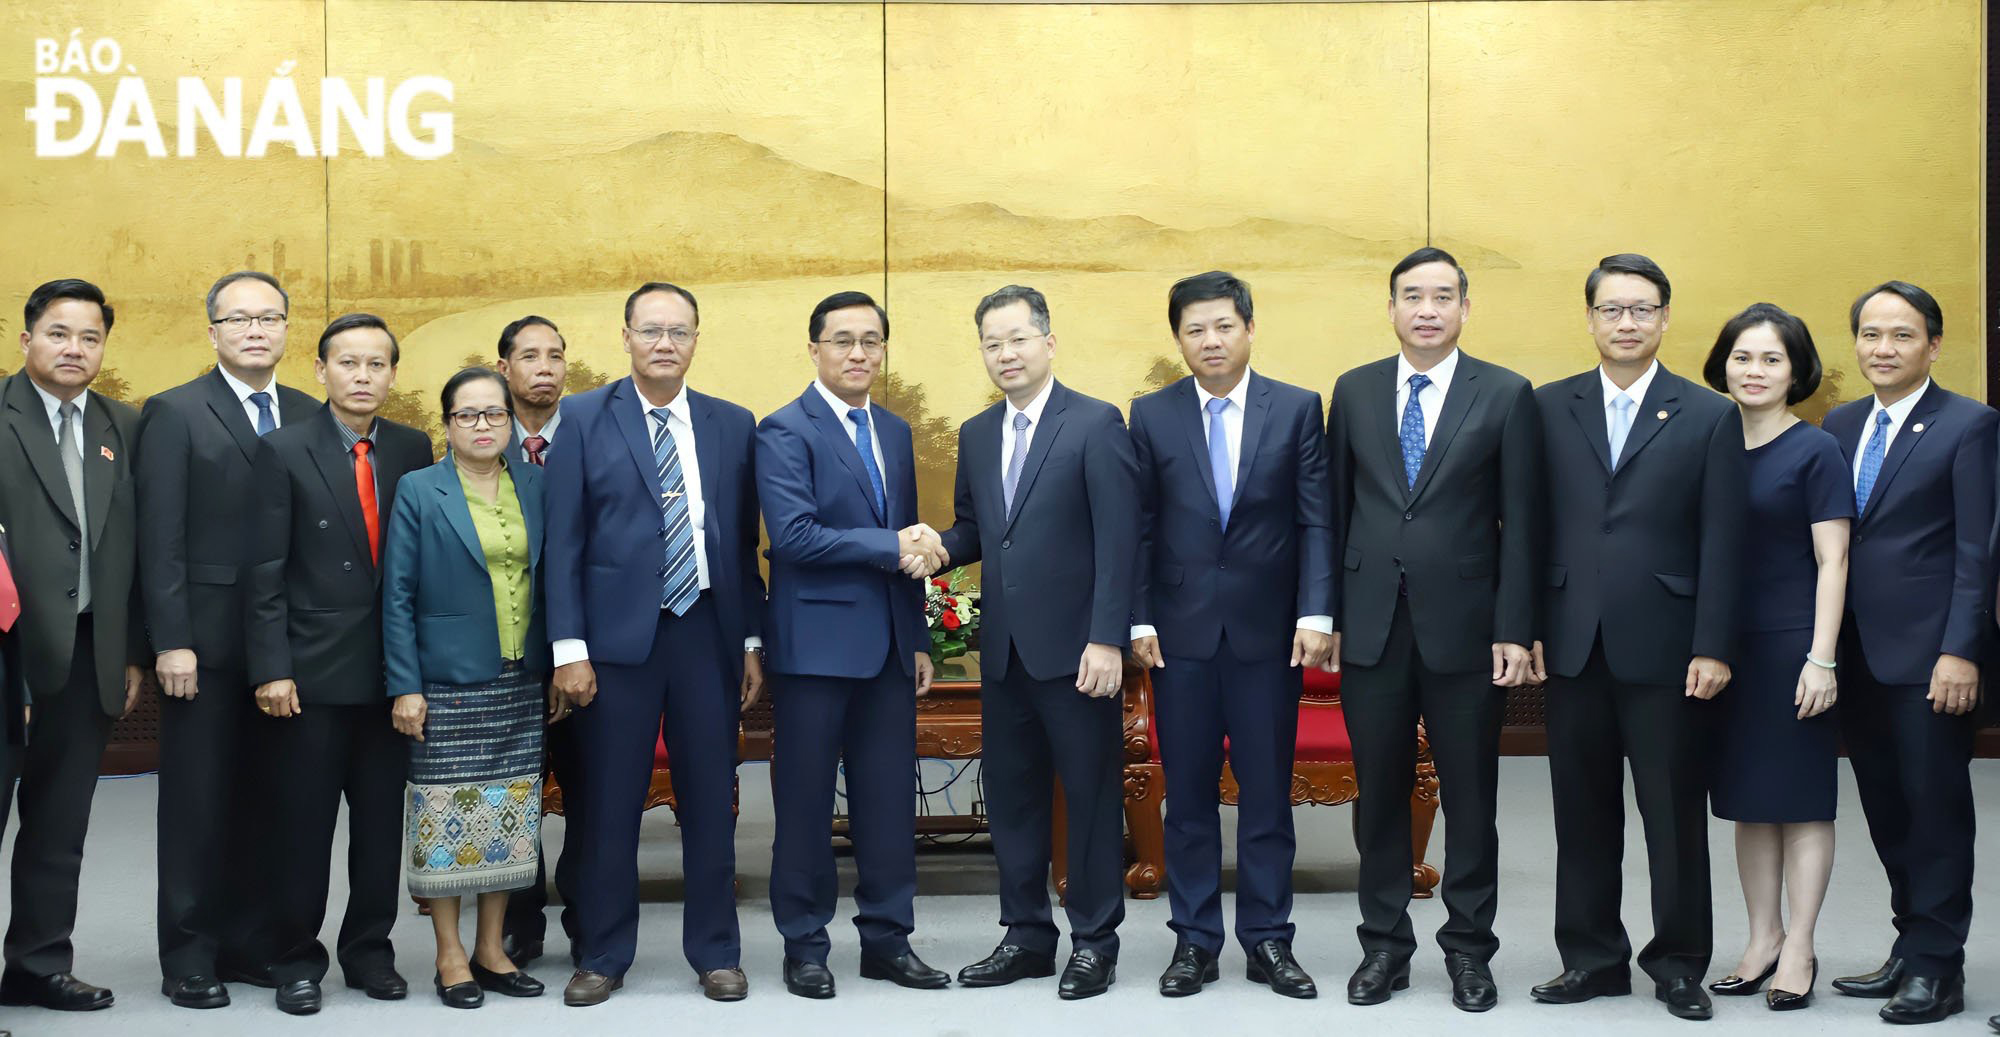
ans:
x=1412 y=431
x=682 y=575
x=1871 y=461
x=266 y=420
x=866 y=444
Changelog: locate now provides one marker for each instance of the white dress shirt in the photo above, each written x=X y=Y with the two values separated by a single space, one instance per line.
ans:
x=548 y=433
x=1232 y=429
x=1638 y=394
x=1431 y=400
x=1898 y=412
x=54 y=407
x=840 y=409
x=1034 y=412
x=243 y=391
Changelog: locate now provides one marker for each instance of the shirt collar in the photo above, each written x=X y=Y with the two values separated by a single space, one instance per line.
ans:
x=677 y=407
x=348 y=435
x=1034 y=408
x=1638 y=390
x=1237 y=395
x=548 y=431
x=1439 y=374
x=1899 y=411
x=840 y=406
x=53 y=405
x=242 y=389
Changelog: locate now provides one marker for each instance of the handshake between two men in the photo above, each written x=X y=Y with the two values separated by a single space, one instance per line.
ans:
x=923 y=554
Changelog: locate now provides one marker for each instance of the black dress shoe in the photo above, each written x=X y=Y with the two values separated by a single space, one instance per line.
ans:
x=1734 y=985
x=520 y=951
x=1881 y=983
x=250 y=975
x=1271 y=963
x=1088 y=974
x=382 y=984
x=299 y=997
x=1472 y=988
x=61 y=992
x=460 y=995
x=1994 y=1022
x=1926 y=999
x=1575 y=986
x=1786 y=1001
x=507 y=984
x=808 y=979
x=196 y=992
x=904 y=970
x=1006 y=964
x=1378 y=974
x=1685 y=999
x=1193 y=967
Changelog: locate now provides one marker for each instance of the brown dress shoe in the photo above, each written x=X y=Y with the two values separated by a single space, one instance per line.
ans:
x=590 y=988
x=725 y=985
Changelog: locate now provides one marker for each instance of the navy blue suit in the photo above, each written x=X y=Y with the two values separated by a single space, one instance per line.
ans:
x=1057 y=578
x=1226 y=603
x=605 y=563
x=1919 y=585
x=845 y=627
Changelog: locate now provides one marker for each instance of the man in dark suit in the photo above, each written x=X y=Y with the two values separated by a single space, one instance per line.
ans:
x=1436 y=460
x=198 y=441
x=66 y=464
x=654 y=478
x=1045 y=491
x=1645 y=501
x=1919 y=616
x=322 y=491
x=836 y=476
x=1234 y=594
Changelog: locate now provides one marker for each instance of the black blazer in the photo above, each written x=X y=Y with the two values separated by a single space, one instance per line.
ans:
x=315 y=591
x=1059 y=571
x=1197 y=582
x=1466 y=539
x=40 y=519
x=1650 y=556
x=196 y=446
x=1919 y=563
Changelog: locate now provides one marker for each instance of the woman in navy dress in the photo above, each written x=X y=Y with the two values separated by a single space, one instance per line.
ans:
x=1776 y=741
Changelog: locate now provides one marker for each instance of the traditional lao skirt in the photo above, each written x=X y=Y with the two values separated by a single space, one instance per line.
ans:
x=475 y=786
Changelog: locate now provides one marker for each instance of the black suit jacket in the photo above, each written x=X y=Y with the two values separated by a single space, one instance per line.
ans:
x=1197 y=582
x=1919 y=562
x=196 y=446
x=1466 y=539
x=1649 y=557
x=315 y=591
x=40 y=519
x=1059 y=570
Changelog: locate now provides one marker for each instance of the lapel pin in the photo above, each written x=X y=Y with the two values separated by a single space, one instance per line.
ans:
x=1918 y=427
x=1661 y=415
x=106 y=451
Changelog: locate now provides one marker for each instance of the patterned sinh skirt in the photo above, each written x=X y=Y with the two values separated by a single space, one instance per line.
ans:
x=475 y=787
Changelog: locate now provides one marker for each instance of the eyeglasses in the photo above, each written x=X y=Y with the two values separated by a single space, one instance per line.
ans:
x=870 y=344
x=495 y=416
x=651 y=334
x=1642 y=313
x=240 y=323
x=1015 y=344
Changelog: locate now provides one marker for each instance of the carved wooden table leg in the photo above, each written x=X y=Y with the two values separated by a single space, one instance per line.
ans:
x=1423 y=816
x=1145 y=822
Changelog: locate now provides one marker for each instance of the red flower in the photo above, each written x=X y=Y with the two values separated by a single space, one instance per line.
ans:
x=949 y=621
x=940 y=583
x=951 y=603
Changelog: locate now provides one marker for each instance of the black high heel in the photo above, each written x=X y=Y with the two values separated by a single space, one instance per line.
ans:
x=1786 y=1001
x=1734 y=985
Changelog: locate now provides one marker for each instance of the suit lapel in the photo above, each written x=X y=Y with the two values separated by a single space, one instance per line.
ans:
x=1662 y=402
x=1386 y=422
x=38 y=441
x=706 y=440
x=627 y=413
x=101 y=447
x=1915 y=424
x=531 y=507
x=893 y=474
x=1458 y=401
x=228 y=409
x=328 y=450
x=833 y=430
x=1255 y=416
x=1188 y=412
x=458 y=513
x=1038 y=449
x=295 y=405
x=1587 y=407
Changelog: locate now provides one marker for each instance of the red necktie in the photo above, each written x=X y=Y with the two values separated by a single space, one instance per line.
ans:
x=364 y=484
x=10 y=597
x=534 y=445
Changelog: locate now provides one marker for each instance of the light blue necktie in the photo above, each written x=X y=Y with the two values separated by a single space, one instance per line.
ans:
x=1015 y=459
x=682 y=575
x=1621 y=425
x=266 y=421
x=1411 y=431
x=1218 y=458
x=866 y=444
x=1871 y=461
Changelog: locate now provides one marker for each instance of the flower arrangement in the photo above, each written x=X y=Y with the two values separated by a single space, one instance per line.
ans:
x=951 y=610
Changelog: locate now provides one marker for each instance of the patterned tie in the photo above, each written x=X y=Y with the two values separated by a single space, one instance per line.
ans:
x=1871 y=461
x=1621 y=425
x=866 y=444
x=534 y=445
x=1412 y=431
x=1218 y=459
x=1015 y=460
x=10 y=597
x=682 y=575
x=68 y=444
x=266 y=420
x=364 y=485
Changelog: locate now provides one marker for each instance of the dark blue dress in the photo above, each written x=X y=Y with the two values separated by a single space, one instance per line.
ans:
x=1771 y=767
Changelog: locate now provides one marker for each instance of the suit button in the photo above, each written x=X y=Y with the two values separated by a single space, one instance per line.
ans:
x=1858 y=538
x=663 y=572
x=322 y=523
x=347 y=566
x=1006 y=544
x=1408 y=515
x=1606 y=527
x=72 y=592
x=73 y=545
x=1222 y=565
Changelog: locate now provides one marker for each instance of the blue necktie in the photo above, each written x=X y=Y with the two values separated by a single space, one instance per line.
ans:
x=266 y=421
x=1015 y=459
x=1621 y=426
x=1871 y=461
x=866 y=444
x=1218 y=459
x=1412 y=431
x=682 y=575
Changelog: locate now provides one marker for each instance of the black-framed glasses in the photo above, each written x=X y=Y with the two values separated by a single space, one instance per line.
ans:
x=651 y=334
x=240 y=323
x=494 y=416
x=1642 y=313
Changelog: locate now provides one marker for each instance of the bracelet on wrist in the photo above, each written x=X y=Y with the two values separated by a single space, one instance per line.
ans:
x=1819 y=663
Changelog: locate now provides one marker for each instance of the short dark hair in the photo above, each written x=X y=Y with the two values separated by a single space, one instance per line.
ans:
x=52 y=292
x=1216 y=284
x=1923 y=301
x=1791 y=331
x=243 y=275
x=1038 y=307
x=507 y=333
x=349 y=322
x=1627 y=263
x=472 y=374
x=841 y=301
x=1427 y=254
x=659 y=286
